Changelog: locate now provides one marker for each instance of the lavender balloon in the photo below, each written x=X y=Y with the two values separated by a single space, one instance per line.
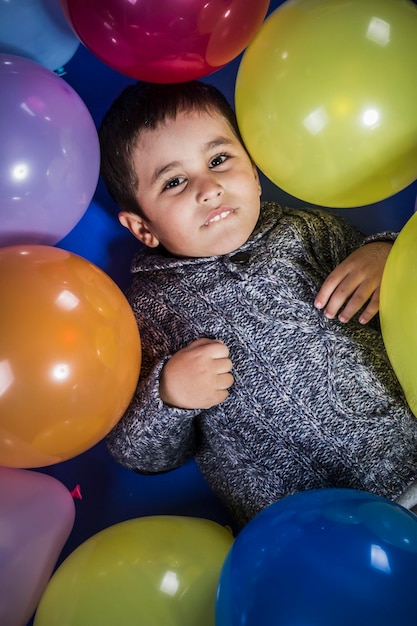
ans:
x=49 y=154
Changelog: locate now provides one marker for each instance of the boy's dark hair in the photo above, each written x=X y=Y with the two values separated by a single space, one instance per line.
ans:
x=144 y=106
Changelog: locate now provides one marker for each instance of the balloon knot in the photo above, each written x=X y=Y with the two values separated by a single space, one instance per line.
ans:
x=76 y=492
x=60 y=71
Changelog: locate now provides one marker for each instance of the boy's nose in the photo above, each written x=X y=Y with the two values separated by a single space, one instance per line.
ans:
x=209 y=189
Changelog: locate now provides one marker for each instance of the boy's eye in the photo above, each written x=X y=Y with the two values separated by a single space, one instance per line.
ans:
x=218 y=160
x=174 y=182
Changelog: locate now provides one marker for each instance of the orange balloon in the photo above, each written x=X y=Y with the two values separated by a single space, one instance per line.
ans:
x=70 y=355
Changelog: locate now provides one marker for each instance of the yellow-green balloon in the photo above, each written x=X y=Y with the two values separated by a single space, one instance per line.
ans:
x=150 y=571
x=398 y=309
x=326 y=98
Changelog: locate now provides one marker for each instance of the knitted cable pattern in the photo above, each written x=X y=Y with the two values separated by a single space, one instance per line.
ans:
x=315 y=403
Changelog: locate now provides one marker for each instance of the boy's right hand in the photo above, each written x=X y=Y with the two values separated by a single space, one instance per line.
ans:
x=197 y=376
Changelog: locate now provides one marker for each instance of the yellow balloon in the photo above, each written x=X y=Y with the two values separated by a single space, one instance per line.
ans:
x=326 y=99
x=398 y=309
x=150 y=571
x=70 y=355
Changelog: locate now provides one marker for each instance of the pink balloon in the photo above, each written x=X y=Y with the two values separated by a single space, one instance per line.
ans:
x=165 y=41
x=36 y=517
x=49 y=154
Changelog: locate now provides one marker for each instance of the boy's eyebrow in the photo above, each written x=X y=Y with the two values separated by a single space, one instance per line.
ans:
x=210 y=145
x=218 y=141
x=160 y=173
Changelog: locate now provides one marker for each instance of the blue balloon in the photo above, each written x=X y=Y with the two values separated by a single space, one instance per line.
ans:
x=325 y=557
x=37 y=30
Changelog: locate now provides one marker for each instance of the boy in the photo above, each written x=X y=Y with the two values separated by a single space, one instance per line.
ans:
x=255 y=358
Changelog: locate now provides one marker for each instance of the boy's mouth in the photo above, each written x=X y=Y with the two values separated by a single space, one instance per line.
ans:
x=219 y=214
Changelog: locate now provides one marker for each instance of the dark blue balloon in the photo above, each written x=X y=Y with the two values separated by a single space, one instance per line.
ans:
x=326 y=557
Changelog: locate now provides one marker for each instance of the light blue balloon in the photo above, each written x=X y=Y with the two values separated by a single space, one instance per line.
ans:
x=37 y=30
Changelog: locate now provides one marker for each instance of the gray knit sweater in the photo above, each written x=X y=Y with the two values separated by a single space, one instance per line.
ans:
x=315 y=402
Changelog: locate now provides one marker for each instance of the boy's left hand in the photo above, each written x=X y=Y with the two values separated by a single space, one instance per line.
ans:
x=355 y=282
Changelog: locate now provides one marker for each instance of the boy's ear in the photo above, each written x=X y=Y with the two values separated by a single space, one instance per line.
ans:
x=139 y=228
x=256 y=173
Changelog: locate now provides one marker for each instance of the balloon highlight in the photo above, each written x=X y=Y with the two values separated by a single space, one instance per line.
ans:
x=150 y=570
x=49 y=154
x=169 y=41
x=322 y=557
x=70 y=355
x=325 y=99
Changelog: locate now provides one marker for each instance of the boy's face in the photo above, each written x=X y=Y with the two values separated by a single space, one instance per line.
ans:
x=198 y=188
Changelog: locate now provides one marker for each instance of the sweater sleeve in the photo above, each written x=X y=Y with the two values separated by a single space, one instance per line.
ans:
x=332 y=238
x=388 y=236
x=151 y=436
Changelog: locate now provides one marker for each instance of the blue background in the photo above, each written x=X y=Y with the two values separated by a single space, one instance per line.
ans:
x=110 y=493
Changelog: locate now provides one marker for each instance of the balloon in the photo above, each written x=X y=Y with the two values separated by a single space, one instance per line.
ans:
x=69 y=355
x=160 y=570
x=325 y=99
x=166 y=41
x=49 y=154
x=322 y=557
x=398 y=309
x=36 y=517
x=37 y=30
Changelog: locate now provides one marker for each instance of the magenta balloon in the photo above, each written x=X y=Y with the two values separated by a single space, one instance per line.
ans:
x=36 y=517
x=165 y=41
x=49 y=154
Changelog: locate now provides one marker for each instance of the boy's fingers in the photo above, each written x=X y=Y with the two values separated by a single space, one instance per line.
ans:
x=336 y=298
x=371 y=310
x=330 y=287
